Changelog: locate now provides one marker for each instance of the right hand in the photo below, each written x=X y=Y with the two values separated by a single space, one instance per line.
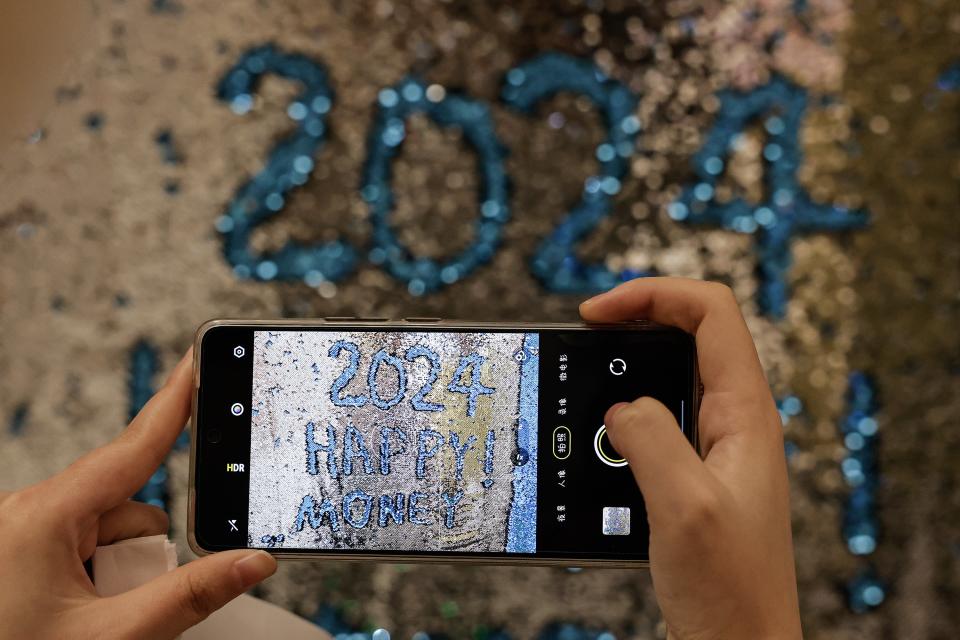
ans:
x=721 y=552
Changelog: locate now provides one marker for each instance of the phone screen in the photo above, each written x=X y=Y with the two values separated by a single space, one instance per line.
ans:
x=422 y=441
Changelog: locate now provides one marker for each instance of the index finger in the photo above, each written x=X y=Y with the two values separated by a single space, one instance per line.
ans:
x=107 y=476
x=725 y=350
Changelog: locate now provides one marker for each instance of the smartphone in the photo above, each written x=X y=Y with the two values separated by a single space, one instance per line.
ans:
x=426 y=440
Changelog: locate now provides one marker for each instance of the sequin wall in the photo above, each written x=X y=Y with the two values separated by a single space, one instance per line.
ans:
x=498 y=161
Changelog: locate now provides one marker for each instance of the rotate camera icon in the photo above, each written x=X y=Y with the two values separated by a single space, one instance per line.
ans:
x=238 y=351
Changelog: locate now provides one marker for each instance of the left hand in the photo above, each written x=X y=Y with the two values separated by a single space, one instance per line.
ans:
x=51 y=528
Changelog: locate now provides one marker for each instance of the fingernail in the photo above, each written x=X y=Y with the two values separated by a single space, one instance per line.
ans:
x=254 y=567
x=590 y=301
x=613 y=411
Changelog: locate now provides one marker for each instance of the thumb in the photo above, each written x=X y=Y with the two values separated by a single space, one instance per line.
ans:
x=666 y=467
x=170 y=604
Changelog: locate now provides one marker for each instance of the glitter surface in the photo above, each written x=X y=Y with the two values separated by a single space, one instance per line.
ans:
x=135 y=188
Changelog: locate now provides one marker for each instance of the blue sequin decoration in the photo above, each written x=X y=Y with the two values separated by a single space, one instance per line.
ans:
x=866 y=591
x=861 y=527
x=555 y=262
x=789 y=407
x=143 y=367
x=18 y=419
x=94 y=121
x=394 y=106
x=568 y=631
x=288 y=166
x=949 y=80
x=144 y=364
x=332 y=620
x=166 y=6
x=787 y=211
x=167 y=147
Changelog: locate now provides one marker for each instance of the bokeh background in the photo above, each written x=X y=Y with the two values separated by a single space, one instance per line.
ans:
x=835 y=123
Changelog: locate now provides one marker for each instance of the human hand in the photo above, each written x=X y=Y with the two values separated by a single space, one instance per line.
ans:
x=721 y=552
x=49 y=529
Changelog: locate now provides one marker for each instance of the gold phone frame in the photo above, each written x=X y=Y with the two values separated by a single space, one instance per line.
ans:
x=413 y=324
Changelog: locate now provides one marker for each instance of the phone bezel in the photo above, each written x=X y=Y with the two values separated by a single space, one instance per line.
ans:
x=413 y=324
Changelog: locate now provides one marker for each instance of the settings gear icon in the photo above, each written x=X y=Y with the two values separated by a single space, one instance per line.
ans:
x=238 y=351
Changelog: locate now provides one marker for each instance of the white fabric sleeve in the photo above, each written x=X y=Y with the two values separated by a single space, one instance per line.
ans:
x=130 y=563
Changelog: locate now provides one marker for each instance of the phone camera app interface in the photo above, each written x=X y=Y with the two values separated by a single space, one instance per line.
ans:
x=394 y=441
x=589 y=504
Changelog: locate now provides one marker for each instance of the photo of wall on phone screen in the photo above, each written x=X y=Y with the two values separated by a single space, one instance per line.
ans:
x=394 y=441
